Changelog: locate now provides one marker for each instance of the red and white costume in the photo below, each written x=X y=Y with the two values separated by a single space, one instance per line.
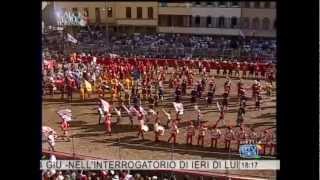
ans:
x=107 y=123
x=202 y=133
x=229 y=136
x=190 y=133
x=174 y=132
x=215 y=135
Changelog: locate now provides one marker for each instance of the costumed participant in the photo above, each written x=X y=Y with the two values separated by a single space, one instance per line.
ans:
x=184 y=87
x=221 y=115
x=118 y=112
x=130 y=114
x=229 y=136
x=202 y=133
x=227 y=86
x=107 y=123
x=240 y=86
x=142 y=128
x=215 y=136
x=225 y=100
x=210 y=97
x=101 y=114
x=268 y=89
x=242 y=136
x=253 y=136
x=273 y=144
x=65 y=127
x=168 y=114
x=190 y=133
x=127 y=97
x=265 y=140
x=258 y=102
x=174 y=131
x=240 y=115
x=51 y=140
x=193 y=95
x=199 y=115
x=158 y=129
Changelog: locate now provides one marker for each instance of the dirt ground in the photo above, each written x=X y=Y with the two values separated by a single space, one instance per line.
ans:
x=89 y=138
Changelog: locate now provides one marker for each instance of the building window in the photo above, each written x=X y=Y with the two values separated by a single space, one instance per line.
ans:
x=128 y=12
x=245 y=24
x=86 y=12
x=247 y=4
x=234 y=3
x=139 y=12
x=234 y=22
x=98 y=17
x=266 y=4
x=75 y=11
x=209 y=21
x=197 y=21
x=255 y=23
x=256 y=4
x=222 y=3
x=109 y=11
x=163 y=4
x=265 y=23
x=150 y=12
x=221 y=22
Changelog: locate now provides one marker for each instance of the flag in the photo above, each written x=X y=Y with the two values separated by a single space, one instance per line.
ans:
x=133 y=110
x=46 y=130
x=105 y=106
x=178 y=107
x=87 y=86
x=142 y=110
x=218 y=105
x=71 y=39
x=65 y=114
x=242 y=35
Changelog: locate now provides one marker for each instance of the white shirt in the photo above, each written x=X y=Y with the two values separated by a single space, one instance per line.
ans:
x=51 y=139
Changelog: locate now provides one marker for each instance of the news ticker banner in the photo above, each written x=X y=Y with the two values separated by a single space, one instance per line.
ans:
x=160 y=164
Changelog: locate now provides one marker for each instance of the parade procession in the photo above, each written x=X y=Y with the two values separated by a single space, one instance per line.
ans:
x=118 y=93
x=166 y=98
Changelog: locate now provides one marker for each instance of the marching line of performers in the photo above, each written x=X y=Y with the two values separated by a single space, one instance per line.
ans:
x=113 y=77
x=266 y=139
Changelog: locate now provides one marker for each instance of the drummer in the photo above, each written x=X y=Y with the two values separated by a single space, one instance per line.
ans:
x=158 y=129
x=51 y=140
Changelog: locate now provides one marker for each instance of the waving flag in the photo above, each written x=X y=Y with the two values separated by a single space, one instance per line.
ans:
x=242 y=35
x=87 y=86
x=142 y=110
x=105 y=106
x=65 y=114
x=218 y=105
x=178 y=107
x=71 y=39
x=46 y=130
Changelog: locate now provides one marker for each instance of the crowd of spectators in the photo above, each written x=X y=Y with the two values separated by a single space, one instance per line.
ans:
x=166 y=45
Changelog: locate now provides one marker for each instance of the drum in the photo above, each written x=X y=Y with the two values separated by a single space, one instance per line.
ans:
x=145 y=128
x=160 y=129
